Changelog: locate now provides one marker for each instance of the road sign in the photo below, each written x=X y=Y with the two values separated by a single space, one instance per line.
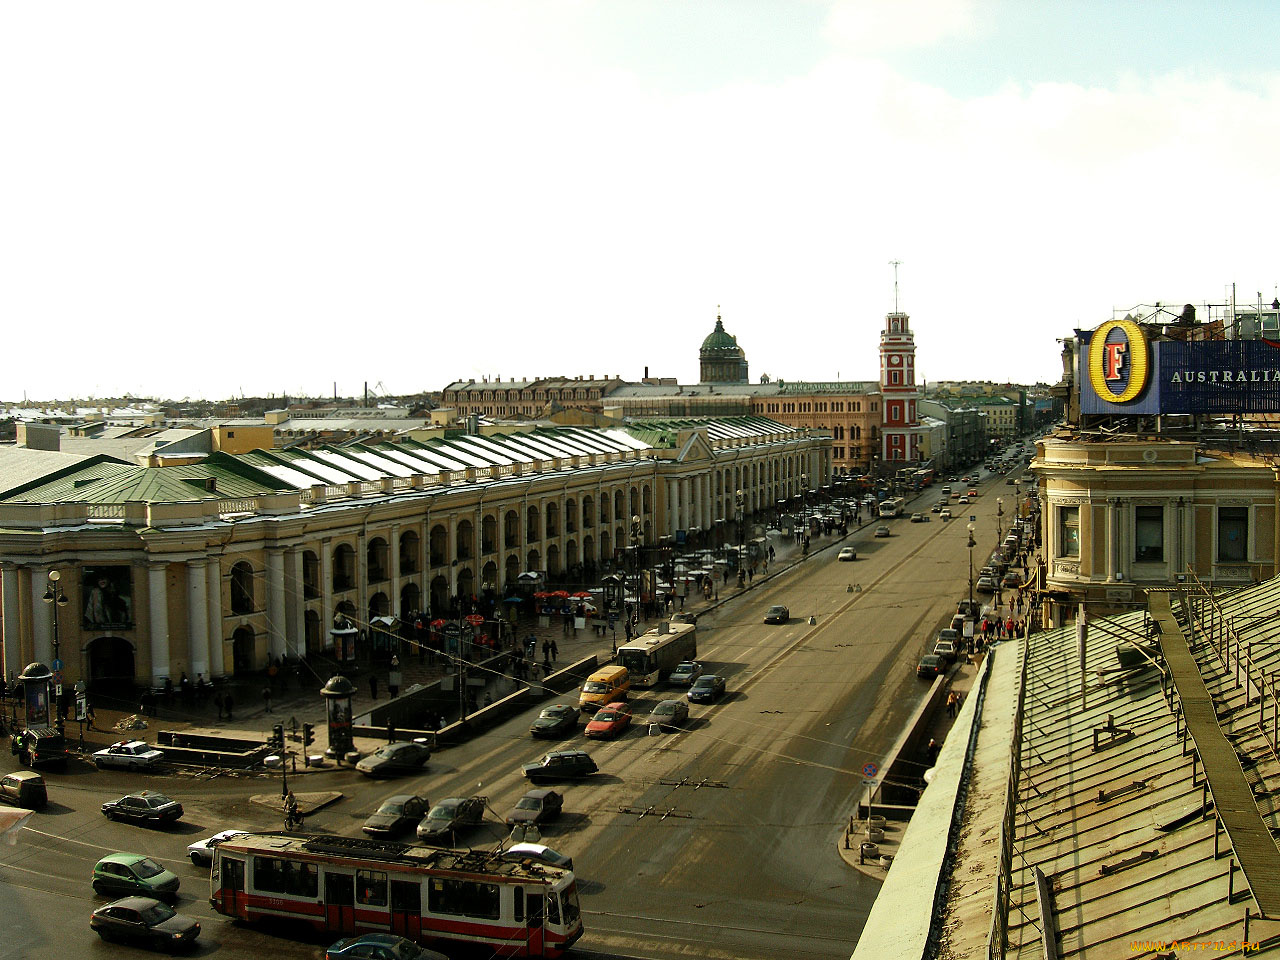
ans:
x=870 y=770
x=57 y=665
x=871 y=783
x=973 y=518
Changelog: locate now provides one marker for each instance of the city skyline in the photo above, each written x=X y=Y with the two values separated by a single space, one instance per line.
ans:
x=302 y=197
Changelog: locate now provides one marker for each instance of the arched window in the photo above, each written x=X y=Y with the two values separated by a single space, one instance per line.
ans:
x=242 y=588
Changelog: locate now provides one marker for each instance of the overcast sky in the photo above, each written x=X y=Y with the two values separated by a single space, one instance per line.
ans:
x=217 y=199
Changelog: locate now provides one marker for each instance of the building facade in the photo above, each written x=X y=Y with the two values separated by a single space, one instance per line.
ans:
x=899 y=393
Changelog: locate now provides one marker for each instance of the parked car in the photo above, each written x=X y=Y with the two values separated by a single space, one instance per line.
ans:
x=847 y=553
x=669 y=713
x=946 y=649
x=931 y=665
x=557 y=720
x=128 y=755
x=408 y=756
x=882 y=531
x=397 y=815
x=201 y=852
x=985 y=585
x=143 y=807
x=539 y=853
x=536 y=806
x=379 y=946
x=144 y=920
x=609 y=721
x=24 y=788
x=706 y=688
x=450 y=816
x=560 y=765
x=1012 y=579
x=777 y=614
x=132 y=874
x=685 y=673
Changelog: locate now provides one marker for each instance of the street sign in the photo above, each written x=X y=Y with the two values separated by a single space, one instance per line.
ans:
x=57 y=665
x=870 y=769
x=973 y=518
x=871 y=783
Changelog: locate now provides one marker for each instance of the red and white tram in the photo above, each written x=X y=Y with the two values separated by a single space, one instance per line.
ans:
x=348 y=885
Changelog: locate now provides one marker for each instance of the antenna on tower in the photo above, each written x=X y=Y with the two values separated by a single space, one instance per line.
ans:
x=895 y=264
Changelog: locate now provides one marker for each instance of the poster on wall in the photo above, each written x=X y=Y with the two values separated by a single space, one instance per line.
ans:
x=108 y=597
x=37 y=696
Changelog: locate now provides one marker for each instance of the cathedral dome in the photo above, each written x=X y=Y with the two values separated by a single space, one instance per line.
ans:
x=721 y=360
x=720 y=341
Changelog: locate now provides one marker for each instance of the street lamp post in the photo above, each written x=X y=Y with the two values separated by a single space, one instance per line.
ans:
x=804 y=504
x=636 y=533
x=57 y=599
x=739 y=501
x=1000 y=519
x=972 y=543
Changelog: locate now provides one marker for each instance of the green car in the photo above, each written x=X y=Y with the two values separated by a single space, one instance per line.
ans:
x=131 y=874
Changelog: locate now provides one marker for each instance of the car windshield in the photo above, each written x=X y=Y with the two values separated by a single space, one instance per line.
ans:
x=156 y=913
x=594 y=686
x=608 y=715
x=684 y=667
x=667 y=706
x=392 y=806
x=776 y=609
x=442 y=812
x=146 y=868
x=552 y=713
x=529 y=803
x=703 y=682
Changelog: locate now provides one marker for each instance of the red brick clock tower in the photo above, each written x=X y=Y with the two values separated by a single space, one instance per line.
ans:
x=900 y=431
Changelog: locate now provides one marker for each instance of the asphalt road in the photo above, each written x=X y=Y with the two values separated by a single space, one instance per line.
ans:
x=717 y=841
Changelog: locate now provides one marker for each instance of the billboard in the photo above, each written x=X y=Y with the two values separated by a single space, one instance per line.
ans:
x=1126 y=373
x=108 y=597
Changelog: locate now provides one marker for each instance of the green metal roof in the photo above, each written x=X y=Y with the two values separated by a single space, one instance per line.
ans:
x=718 y=339
x=110 y=482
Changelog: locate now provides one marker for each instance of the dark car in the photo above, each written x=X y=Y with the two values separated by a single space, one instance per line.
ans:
x=144 y=807
x=410 y=756
x=24 y=788
x=706 y=688
x=1012 y=579
x=144 y=920
x=380 y=946
x=777 y=614
x=557 y=720
x=560 y=765
x=446 y=818
x=396 y=815
x=537 y=806
x=931 y=666
x=131 y=874
x=669 y=713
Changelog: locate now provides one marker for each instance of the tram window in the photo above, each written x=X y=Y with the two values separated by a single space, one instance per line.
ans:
x=553 y=908
x=519 y=895
x=464 y=898
x=371 y=888
x=273 y=875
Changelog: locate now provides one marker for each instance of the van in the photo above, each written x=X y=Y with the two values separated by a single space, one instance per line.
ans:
x=604 y=686
x=24 y=789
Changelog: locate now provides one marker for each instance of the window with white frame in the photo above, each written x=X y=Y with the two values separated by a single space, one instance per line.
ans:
x=1068 y=531
x=1148 y=534
x=1233 y=534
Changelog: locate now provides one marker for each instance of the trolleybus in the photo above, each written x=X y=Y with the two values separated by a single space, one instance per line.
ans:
x=348 y=885
x=893 y=507
x=652 y=656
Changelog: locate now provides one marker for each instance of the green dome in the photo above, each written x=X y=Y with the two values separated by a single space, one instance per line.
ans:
x=719 y=340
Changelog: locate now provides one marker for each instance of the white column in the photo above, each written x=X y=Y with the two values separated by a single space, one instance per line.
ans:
x=1112 y=533
x=275 y=601
x=673 y=507
x=686 y=512
x=296 y=620
x=326 y=594
x=451 y=554
x=158 y=603
x=362 y=578
x=10 y=623
x=500 y=543
x=213 y=606
x=393 y=552
x=41 y=622
x=198 y=618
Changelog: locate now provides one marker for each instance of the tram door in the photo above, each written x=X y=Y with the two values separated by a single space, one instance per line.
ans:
x=232 y=887
x=406 y=909
x=534 y=904
x=340 y=902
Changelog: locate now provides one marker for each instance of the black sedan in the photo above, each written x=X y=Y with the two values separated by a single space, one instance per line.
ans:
x=396 y=815
x=143 y=920
x=557 y=720
x=449 y=816
x=560 y=765
x=706 y=688
x=777 y=614
x=393 y=758
x=143 y=807
x=930 y=666
x=536 y=806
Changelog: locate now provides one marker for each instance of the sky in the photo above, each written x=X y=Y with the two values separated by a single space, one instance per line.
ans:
x=208 y=200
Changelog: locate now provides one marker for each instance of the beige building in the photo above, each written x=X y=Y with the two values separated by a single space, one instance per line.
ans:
x=848 y=410
x=212 y=567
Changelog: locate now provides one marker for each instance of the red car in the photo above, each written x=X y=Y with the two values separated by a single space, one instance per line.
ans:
x=609 y=721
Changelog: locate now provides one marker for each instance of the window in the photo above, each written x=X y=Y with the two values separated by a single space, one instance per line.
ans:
x=464 y=898
x=275 y=875
x=1148 y=534
x=1068 y=531
x=1233 y=534
x=371 y=888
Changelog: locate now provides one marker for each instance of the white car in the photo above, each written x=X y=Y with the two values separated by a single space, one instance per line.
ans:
x=128 y=755
x=201 y=852
x=538 y=852
x=847 y=553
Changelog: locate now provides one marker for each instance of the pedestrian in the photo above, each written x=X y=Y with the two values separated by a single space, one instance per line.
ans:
x=932 y=751
x=951 y=704
x=266 y=699
x=373 y=687
x=546 y=650
x=226 y=704
x=89 y=715
x=393 y=678
x=555 y=651
x=217 y=702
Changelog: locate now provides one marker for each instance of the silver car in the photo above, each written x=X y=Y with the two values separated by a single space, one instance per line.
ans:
x=669 y=713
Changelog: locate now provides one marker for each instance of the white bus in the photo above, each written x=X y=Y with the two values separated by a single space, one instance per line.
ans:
x=652 y=656
x=893 y=507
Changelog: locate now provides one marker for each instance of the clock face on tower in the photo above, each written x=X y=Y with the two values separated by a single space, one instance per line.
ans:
x=895 y=359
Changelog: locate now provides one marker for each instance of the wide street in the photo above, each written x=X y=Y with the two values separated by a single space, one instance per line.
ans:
x=717 y=841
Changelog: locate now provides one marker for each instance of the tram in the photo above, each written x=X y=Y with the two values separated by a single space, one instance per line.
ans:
x=350 y=885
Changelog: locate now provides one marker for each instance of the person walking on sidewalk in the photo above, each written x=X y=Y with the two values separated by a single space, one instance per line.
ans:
x=266 y=699
x=555 y=651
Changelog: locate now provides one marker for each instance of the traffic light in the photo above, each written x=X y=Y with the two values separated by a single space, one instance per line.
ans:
x=277 y=736
x=308 y=734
